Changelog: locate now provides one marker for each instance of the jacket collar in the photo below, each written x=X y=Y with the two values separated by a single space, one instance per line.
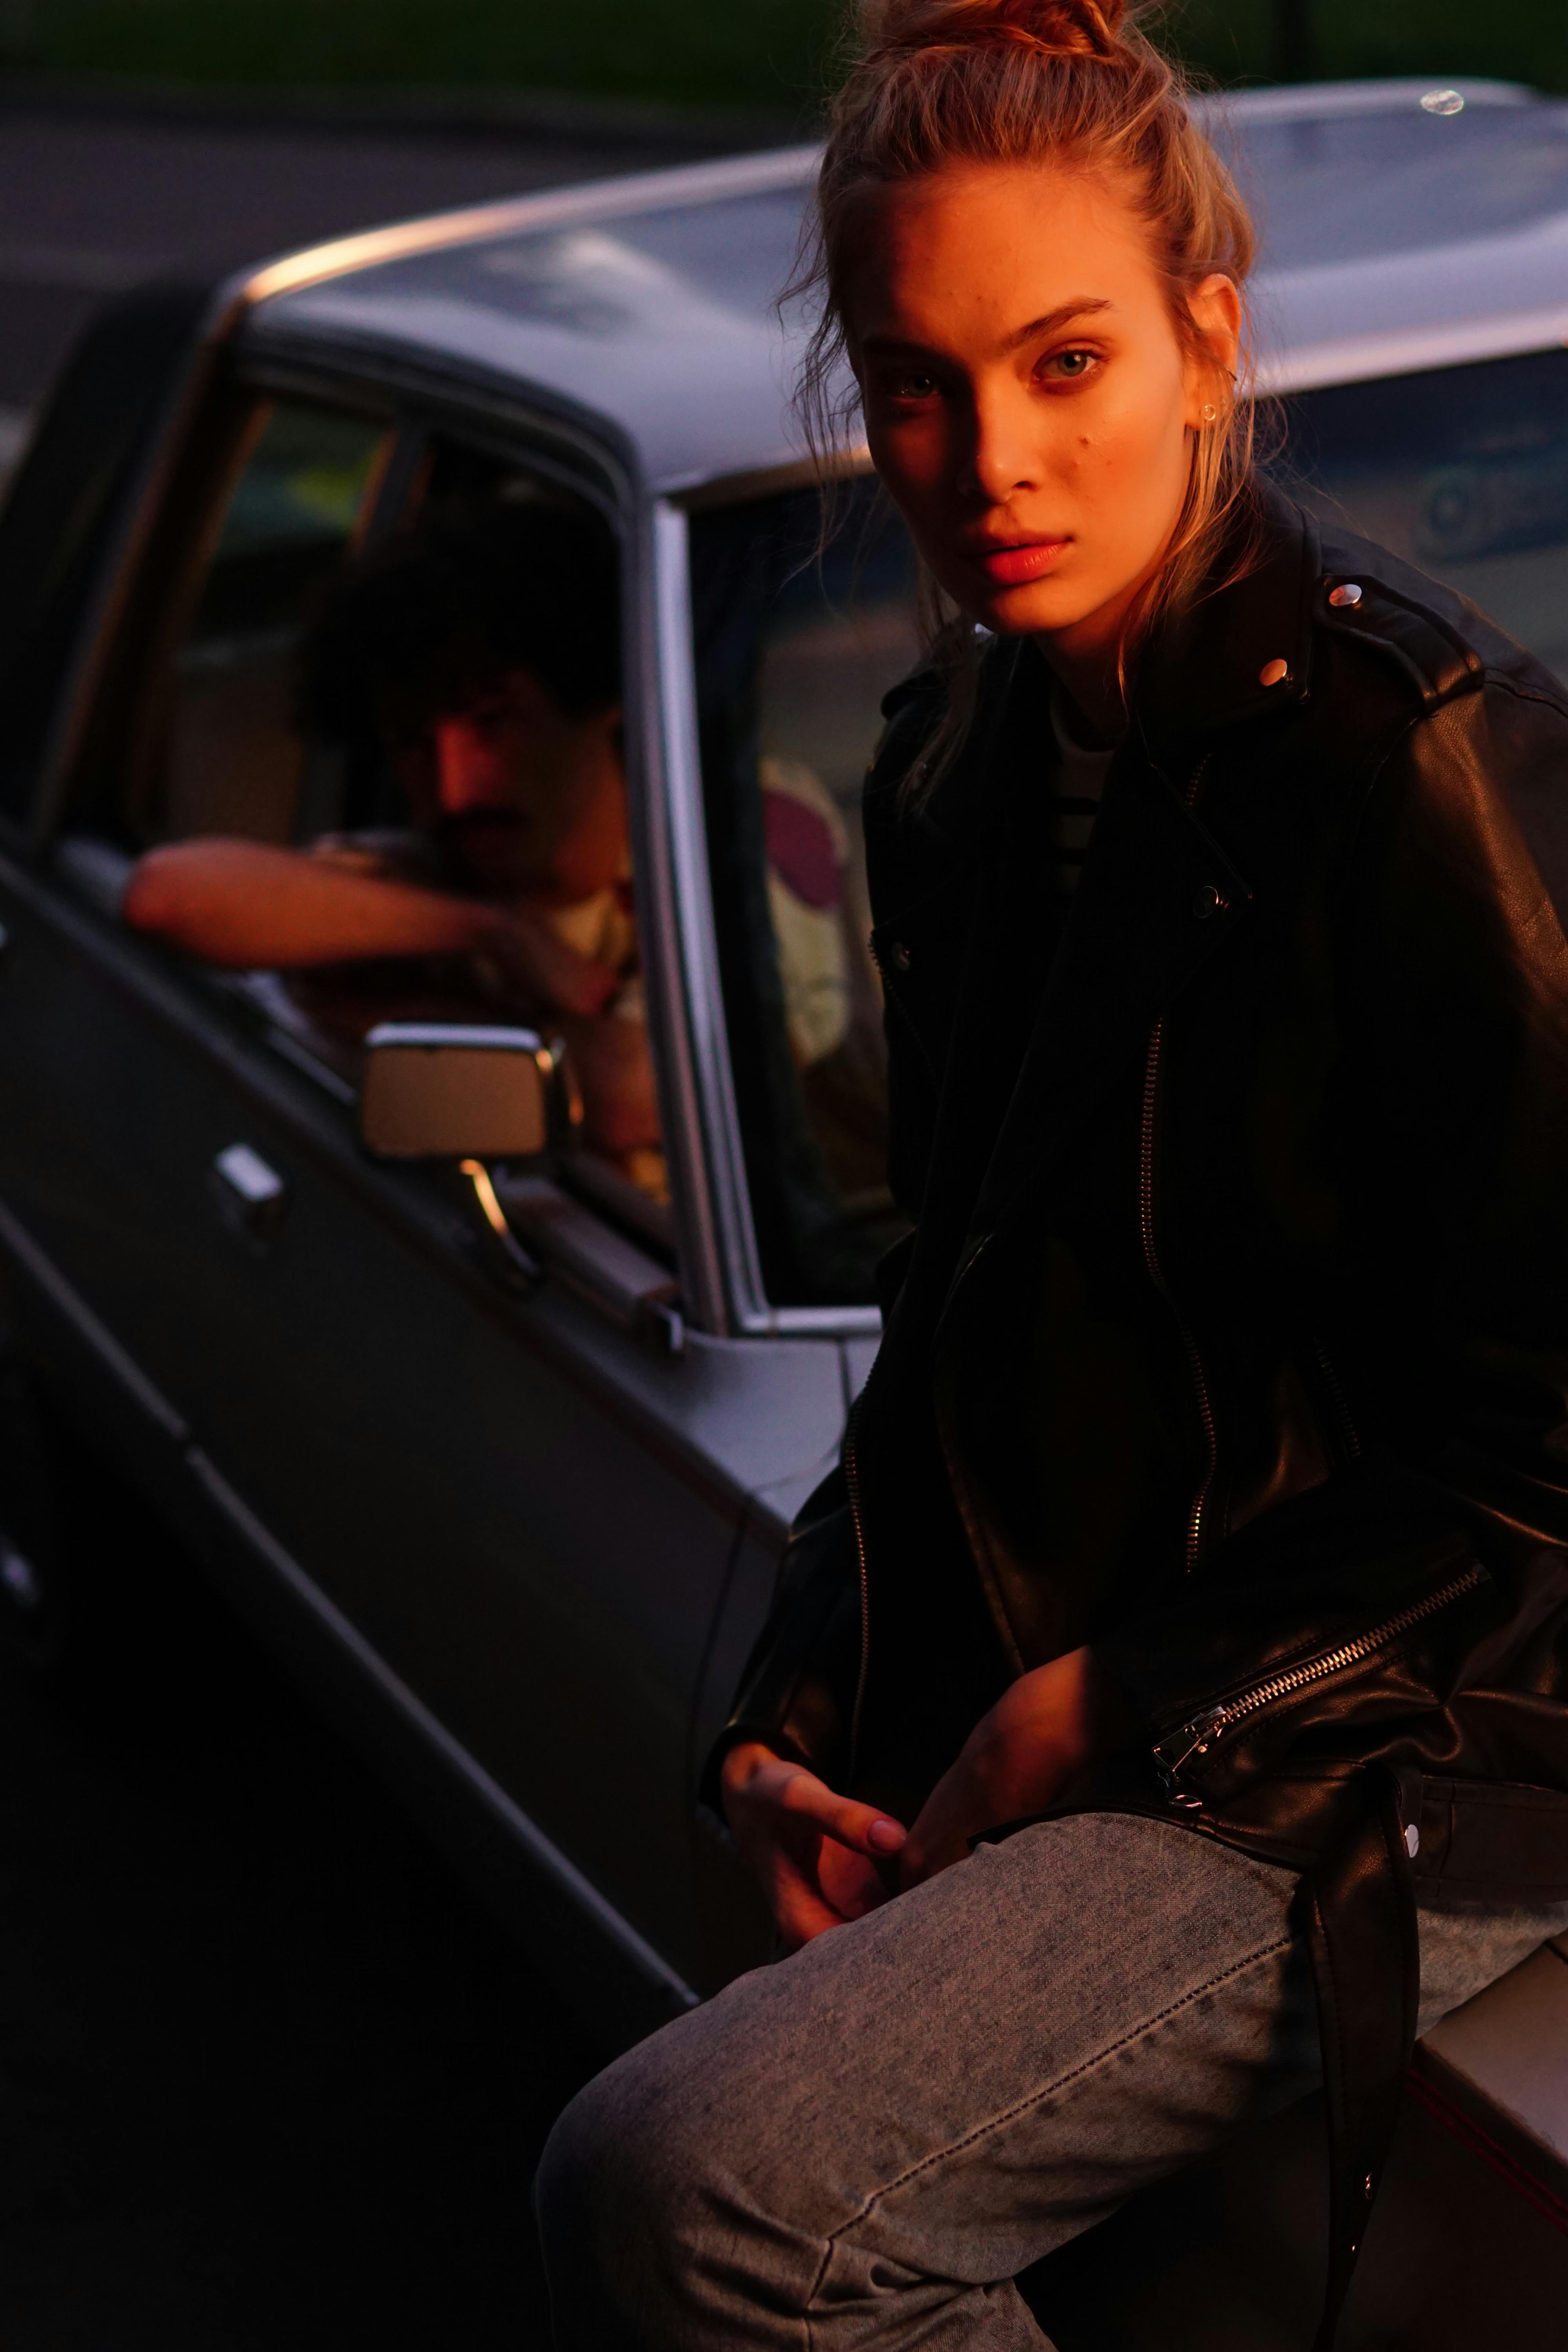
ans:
x=1205 y=670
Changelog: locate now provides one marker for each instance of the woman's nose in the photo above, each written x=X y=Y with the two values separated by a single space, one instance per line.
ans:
x=1002 y=458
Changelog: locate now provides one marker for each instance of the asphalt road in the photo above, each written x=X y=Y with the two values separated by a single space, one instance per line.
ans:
x=90 y=205
x=268 y=2079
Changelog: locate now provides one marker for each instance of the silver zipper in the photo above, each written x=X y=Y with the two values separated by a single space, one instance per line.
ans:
x=1337 y=1398
x=1196 y=1737
x=852 y=1481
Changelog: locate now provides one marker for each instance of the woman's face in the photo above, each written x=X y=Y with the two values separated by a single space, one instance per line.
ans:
x=1027 y=400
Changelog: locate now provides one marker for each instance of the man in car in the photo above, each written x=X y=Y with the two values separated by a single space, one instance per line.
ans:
x=478 y=657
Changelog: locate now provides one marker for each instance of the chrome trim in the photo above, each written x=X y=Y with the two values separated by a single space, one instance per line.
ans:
x=638 y=192
x=257 y=1191
x=659 y=922
x=731 y=1266
x=831 y=1322
x=1412 y=351
x=546 y=1857
x=489 y=1037
x=735 y=1266
x=74 y=1310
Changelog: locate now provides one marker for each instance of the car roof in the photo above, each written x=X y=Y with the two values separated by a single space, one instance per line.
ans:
x=1403 y=225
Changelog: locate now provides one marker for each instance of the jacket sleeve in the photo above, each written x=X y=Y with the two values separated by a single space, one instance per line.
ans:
x=797 y=1693
x=1453 y=1133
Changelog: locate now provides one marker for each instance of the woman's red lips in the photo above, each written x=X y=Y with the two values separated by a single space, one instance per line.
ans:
x=1022 y=560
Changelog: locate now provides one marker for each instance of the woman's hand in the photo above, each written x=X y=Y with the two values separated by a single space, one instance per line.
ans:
x=815 y=1854
x=1018 y=1759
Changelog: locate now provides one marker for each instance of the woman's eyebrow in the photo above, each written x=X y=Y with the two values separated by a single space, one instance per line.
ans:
x=1064 y=315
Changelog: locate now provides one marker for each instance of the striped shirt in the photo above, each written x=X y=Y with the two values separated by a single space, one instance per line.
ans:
x=1079 y=782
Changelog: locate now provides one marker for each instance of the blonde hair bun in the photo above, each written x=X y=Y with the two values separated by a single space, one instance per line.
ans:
x=1062 y=29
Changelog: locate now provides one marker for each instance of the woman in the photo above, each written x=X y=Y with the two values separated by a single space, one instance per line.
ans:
x=1202 y=1514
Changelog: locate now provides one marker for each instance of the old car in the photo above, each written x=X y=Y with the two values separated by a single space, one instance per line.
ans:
x=497 y=1432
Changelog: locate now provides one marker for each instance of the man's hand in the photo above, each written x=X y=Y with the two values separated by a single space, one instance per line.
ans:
x=528 y=955
x=1018 y=1759
x=815 y=1854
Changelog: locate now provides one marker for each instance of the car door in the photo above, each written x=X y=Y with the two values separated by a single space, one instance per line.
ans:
x=521 y=1505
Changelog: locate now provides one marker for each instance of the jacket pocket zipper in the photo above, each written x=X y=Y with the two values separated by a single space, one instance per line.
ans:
x=1203 y=1731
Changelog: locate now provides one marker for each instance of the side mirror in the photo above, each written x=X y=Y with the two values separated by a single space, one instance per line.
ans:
x=439 y=1090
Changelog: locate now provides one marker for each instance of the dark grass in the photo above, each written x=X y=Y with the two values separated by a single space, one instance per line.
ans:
x=752 y=53
x=746 y=53
x=1512 y=40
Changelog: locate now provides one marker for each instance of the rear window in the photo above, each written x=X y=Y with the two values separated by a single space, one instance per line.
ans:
x=1464 y=472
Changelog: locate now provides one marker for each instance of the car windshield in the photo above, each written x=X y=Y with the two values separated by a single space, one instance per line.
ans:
x=1464 y=472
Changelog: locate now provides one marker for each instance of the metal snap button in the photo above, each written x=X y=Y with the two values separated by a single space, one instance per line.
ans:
x=1206 y=901
x=1274 y=673
x=1347 y=593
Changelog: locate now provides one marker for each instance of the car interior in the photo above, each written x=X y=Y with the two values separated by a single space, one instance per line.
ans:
x=213 y=736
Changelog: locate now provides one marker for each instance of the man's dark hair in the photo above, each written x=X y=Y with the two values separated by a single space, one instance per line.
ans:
x=427 y=625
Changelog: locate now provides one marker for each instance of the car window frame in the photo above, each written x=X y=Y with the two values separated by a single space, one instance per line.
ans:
x=716 y=1250
x=514 y=431
x=754 y=1312
x=674 y=910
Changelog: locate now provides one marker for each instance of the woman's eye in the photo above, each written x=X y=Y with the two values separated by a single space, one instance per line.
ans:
x=912 y=387
x=1071 y=366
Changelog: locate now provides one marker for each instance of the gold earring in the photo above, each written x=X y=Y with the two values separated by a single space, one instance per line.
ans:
x=1210 y=412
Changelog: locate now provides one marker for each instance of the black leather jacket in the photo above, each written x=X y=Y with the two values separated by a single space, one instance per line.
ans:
x=1233 y=1336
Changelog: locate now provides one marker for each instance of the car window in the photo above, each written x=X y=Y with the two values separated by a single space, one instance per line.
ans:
x=373 y=770
x=1463 y=471
x=216 y=749
x=795 y=645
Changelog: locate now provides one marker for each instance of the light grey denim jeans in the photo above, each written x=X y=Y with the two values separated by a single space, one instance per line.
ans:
x=864 y=2145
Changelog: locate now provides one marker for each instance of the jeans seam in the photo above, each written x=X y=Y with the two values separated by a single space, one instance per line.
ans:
x=1047 y=2091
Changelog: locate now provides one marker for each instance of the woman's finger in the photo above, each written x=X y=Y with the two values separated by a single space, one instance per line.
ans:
x=802 y=1909
x=862 y=1828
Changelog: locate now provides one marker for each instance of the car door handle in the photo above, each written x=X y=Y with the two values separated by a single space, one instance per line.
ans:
x=250 y=1190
